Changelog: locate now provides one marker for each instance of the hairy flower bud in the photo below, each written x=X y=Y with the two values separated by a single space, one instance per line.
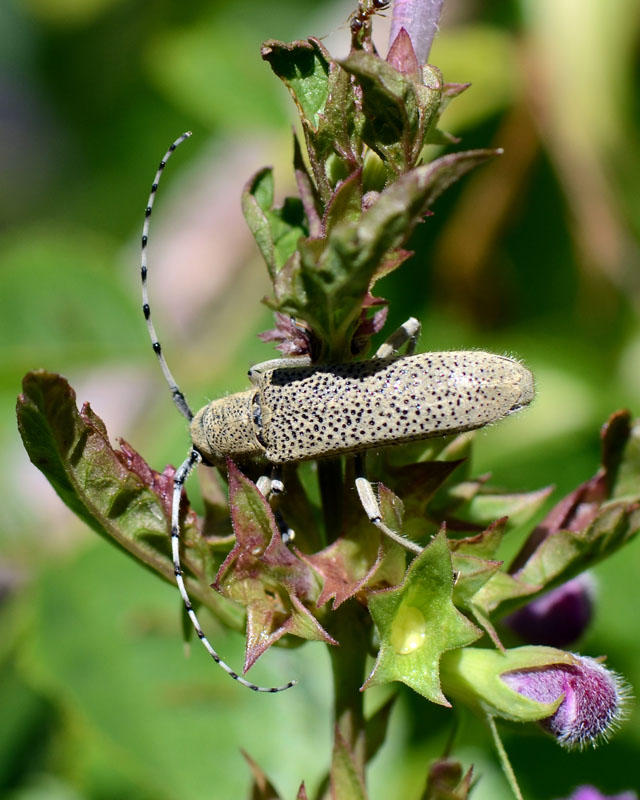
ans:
x=592 y=698
x=573 y=697
x=559 y=617
x=591 y=793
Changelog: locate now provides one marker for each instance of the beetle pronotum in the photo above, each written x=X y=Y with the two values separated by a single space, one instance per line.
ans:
x=296 y=411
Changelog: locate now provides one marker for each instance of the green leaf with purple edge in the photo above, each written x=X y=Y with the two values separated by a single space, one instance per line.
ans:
x=391 y=114
x=307 y=190
x=264 y=576
x=566 y=553
x=345 y=205
x=580 y=530
x=113 y=491
x=417 y=623
x=346 y=565
x=484 y=544
x=360 y=557
x=346 y=781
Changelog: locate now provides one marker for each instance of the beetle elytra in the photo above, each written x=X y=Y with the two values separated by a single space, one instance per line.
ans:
x=297 y=411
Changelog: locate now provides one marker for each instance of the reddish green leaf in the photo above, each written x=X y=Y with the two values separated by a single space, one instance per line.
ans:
x=263 y=575
x=114 y=491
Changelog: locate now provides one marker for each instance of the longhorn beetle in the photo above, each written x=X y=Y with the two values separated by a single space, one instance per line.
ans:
x=296 y=411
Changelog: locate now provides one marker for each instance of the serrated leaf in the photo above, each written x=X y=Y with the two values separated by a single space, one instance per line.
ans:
x=417 y=623
x=264 y=576
x=324 y=97
x=360 y=557
x=114 y=492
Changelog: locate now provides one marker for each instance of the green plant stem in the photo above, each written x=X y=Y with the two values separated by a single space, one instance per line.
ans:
x=504 y=759
x=348 y=665
x=330 y=480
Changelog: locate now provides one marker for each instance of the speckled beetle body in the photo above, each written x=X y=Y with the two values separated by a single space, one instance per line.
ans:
x=308 y=412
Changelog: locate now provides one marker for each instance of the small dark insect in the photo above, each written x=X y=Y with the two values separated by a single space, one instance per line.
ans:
x=360 y=17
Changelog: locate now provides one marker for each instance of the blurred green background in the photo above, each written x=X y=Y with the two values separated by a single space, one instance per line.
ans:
x=537 y=255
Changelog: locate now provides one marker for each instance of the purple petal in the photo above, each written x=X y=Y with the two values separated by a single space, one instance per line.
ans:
x=591 y=793
x=593 y=699
x=559 y=617
x=420 y=19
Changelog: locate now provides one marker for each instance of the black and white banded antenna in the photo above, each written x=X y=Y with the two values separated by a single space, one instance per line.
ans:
x=194 y=457
x=178 y=397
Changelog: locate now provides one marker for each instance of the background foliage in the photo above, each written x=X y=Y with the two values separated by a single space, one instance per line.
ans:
x=537 y=254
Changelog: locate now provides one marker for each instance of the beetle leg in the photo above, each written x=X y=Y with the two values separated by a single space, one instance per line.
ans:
x=409 y=332
x=277 y=363
x=271 y=486
x=372 y=509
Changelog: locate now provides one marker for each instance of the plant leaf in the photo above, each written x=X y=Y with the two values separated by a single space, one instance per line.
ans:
x=418 y=622
x=264 y=576
x=115 y=492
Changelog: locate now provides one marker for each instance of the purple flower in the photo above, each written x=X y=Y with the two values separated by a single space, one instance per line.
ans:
x=419 y=18
x=591 y=793
x=559 y=617
x=593 y=698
